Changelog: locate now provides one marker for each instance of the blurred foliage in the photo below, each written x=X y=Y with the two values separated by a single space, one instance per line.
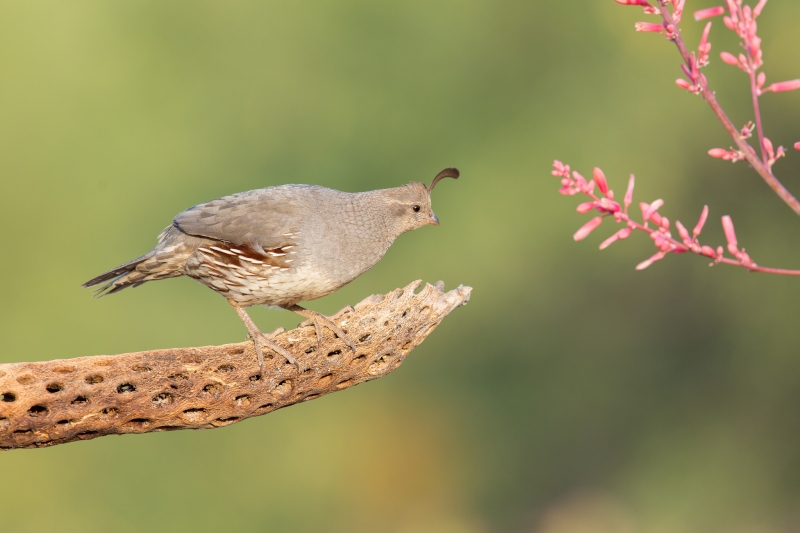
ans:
x=572 y=395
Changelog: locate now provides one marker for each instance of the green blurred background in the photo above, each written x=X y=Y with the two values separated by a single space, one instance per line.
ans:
x=573 y=394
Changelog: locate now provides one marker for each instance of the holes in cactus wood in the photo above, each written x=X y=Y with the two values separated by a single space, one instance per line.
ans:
x=381 y=364
x=65 y=422
x=334 y=353
x=283 y=388
x=195 y=414
x=8 y=397
x=93 y=380
x=126 y=388
x=243 y=400
x=162 y=399
x=359 y=359
x=237 y=351
x=344 y=384
x=226 y=368
x=38 y=410
x=255 y=377
x=4 y=423
x=141 y=423
x=64 y=369
x=177 y=377
x=225 y=421
x=142 y=368
x=87 y=435
x=53 y=388
x=109 y=412
x=27 y=379
x=213 y=389
x=365 y=337
x=80 y=400
x=325 y=380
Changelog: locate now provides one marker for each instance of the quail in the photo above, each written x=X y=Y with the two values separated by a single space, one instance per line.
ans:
x=279 y=246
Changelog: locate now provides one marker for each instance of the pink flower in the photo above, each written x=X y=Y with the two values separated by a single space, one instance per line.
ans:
x=708 y=251
x=656 y=257
x=730 y=235
x=772 y=154
x=700 y=223
x=648 y=9
x=629 y=192
x=683 y=232
x=607 y=205
x=797 y=146
x=704 y=48
x=649 y=26
x=783 y=86
x=600 y=180
x=585 y=207
x=729 y=58
x=708 y=13
x=758 y=8
x=652 y=209
x=587 y=228
x=727 y=155
x=624 y=233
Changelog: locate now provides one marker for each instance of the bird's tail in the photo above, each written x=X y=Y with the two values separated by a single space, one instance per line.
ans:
x=164 y=261
x=119 y=278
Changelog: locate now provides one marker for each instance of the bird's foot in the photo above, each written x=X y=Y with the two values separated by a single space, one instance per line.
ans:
x=331 y=325
x=319 y=320
x=263 y=339
x=266 y=340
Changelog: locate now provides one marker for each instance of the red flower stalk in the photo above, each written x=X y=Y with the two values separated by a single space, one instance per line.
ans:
x=741 y=19
x=662 y=239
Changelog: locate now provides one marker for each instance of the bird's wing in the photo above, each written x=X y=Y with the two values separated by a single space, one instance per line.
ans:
x=265 y=217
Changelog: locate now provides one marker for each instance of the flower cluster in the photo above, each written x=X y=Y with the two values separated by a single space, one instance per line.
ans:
x=606 y=206
x=741 y=19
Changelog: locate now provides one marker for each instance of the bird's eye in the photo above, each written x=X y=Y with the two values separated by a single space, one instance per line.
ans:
x=416 y=208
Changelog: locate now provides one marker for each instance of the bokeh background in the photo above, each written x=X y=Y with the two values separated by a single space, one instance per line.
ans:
x=572 y=395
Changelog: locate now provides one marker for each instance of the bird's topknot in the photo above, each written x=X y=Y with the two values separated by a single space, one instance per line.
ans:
x=446 y=173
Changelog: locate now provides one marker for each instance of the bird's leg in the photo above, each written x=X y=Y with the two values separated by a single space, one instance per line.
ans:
x=319 y=320
x=260 y=340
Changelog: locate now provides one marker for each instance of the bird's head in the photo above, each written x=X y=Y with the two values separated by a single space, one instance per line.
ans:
x=410 y=205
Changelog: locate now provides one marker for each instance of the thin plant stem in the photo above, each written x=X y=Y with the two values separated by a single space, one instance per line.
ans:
x=760 y=166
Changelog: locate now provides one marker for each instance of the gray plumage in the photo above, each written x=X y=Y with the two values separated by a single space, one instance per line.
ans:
x=279 y=245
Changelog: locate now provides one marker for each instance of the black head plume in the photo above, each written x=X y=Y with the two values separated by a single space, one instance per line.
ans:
x=446 y=173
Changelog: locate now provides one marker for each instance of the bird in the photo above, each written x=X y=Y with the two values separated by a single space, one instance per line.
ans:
x=279 y=246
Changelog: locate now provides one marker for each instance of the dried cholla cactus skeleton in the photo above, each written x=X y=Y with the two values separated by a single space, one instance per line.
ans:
x=54 y=402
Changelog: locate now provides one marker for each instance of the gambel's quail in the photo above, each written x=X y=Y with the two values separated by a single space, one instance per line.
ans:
x=279 y=246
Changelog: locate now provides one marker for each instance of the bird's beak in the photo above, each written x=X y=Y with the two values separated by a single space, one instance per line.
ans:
x=434 y=219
